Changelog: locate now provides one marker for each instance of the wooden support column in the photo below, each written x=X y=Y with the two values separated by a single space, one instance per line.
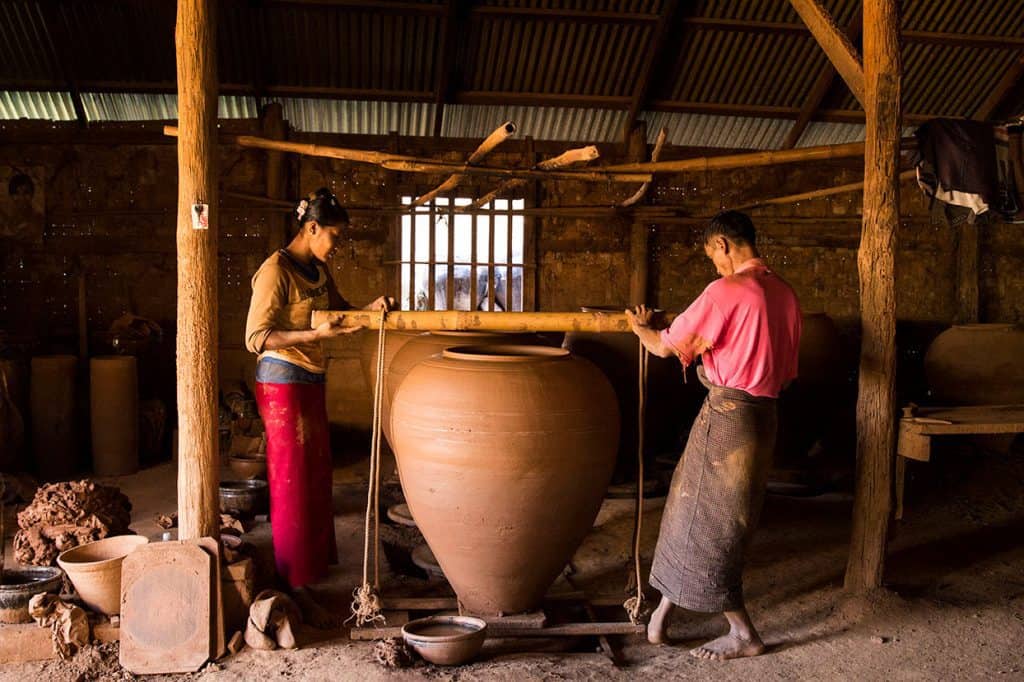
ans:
x=967 y=301
x=195 y=41
x=273 y=127
x=876 y=398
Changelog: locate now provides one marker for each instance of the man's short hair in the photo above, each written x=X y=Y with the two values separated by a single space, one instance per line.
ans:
x=734 y=226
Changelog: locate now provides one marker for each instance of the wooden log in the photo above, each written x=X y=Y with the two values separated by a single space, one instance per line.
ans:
x=563 y=160
x=876 y=398
x=967 y=273
x=834 y=42
x=500 y=134
x=195 y=41
x=463 y=320
x=639 y=259
x=819 y=193
x=273 y=126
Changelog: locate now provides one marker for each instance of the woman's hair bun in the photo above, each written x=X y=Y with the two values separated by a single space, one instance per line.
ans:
x=323 y=207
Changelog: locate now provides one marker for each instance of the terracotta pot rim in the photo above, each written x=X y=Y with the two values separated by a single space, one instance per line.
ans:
x=57 y=356
x=469 y=333
x=258 y=457
x=68 y=557
x=985 y=326
x=109 y=358
x=505 y=353
x=473 y=628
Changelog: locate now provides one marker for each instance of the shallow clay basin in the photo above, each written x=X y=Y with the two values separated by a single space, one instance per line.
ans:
x=247 y=466
x=446 y=640
x=20 y=585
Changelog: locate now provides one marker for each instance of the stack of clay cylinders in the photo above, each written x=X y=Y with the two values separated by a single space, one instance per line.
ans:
x=52 y=404
x=114 y=405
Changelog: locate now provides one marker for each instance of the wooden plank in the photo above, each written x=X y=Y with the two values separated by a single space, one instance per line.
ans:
x=198 y=456
x=876 y=397
x=835 y=43
x=913 y=445
x=26 y=642
x=819 y=90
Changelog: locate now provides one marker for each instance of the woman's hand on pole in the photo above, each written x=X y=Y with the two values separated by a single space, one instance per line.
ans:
x=384 y=303
x=333 y=328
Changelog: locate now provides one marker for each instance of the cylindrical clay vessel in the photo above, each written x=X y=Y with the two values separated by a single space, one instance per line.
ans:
x=54 y=432
x=505 y=453
x=114 y=403
x=976 y=364
x=417 y=349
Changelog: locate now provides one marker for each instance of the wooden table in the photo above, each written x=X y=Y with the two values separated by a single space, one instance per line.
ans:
x=919 y=424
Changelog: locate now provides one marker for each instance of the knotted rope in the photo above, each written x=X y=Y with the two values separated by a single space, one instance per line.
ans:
x=634 y=605
x=366 y=606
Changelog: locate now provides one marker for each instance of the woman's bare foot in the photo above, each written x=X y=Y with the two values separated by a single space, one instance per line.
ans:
x=313 y=613
x=657 y=628
x=729 y=646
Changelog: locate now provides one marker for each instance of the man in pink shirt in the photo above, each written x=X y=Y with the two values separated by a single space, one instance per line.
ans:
x=745 y=328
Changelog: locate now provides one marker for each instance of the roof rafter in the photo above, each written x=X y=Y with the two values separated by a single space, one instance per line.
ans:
x=834 y=42
x=653 y=57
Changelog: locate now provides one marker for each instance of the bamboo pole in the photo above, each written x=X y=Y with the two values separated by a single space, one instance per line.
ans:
x=500 y=134
x=750 y=160
x=463 y=320
x=640 y=193
x=876 y=397
x=563 y=160
x=195 y=40
x=819 y=193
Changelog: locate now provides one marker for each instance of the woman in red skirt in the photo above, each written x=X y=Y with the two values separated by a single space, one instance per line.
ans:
x=290 y=391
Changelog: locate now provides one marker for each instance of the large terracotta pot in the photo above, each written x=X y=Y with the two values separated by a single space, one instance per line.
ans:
x=394 y=342
x=505 y=453
x=976 y=364
x=670 y=405
x=416 y=350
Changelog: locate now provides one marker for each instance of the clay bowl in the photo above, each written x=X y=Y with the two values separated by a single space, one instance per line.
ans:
x=244 y=499
x=95 y=570
x=20 y=585
x=446 y=640
x=248 y=465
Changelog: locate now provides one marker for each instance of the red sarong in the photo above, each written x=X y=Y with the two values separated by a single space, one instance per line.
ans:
x=299 y=473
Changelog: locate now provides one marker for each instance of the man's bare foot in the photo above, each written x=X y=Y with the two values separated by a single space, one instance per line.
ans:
x=313 y=613
x=729 y=646
x=657 y=628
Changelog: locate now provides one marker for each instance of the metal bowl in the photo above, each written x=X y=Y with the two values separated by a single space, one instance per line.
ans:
x=20 y=585
x=244 y=499
x=446 y=640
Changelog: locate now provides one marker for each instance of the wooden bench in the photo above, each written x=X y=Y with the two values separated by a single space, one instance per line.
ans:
x=919 y=424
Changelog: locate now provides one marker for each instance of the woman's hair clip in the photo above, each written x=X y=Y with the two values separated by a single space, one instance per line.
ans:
x=301 y=209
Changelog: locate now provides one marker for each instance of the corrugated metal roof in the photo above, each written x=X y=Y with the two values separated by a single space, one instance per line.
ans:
x=127 y=106
x=541 y=123
x=635 y=6
x=50 y=106
x=820 y=133
x=700 y=130
x=358 y=118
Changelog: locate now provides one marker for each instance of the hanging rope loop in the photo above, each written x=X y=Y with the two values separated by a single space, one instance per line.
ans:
x=635 y=605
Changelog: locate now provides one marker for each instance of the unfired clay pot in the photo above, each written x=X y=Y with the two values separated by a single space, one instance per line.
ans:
x=504 y=453
x=421 y=347
x=976 y=364
x=95 y=570
x=395 y=341
x=54 y=416
x=114 y=414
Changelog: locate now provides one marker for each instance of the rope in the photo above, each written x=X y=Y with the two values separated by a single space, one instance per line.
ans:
x=366 y=606
x=634 y=605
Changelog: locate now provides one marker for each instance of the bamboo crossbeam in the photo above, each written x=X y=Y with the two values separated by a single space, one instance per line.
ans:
x=411 y=164
x=748 y=160
x=640 y=193
x=819 y=193
x=500 y=134
x=563 y=160
x=463 y=320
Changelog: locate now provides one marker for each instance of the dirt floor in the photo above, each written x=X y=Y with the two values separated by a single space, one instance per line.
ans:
x=953 y=607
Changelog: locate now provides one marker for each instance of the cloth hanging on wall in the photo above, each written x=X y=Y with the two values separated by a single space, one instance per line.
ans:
x=957 y=163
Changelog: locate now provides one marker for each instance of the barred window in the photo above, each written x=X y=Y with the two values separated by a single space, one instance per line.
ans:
x=463 y=261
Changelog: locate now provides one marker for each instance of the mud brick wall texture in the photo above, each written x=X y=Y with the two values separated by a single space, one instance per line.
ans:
x=110 y=215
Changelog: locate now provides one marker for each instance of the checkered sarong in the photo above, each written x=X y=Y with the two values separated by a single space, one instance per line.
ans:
x=714 y=502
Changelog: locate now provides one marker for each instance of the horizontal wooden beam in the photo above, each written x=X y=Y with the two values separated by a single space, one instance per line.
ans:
x=541 y=99
x=977 y=40
x=460 y=320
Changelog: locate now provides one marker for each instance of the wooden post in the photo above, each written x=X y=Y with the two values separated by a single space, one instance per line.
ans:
x=273 y=127
x=876 y=400
x=636 y=150
x=967 y=274
x=195 y=40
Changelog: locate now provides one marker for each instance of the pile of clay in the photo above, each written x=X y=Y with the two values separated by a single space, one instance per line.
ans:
x=65 y=515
